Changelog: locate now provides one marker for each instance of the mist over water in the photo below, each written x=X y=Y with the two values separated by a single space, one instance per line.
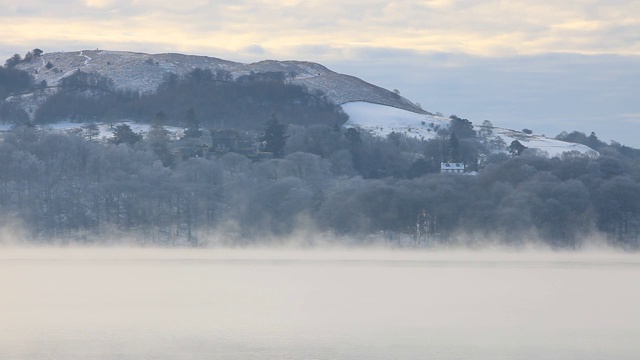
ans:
x=317 y=304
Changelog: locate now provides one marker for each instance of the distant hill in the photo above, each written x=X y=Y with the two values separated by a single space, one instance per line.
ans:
x=369 y=107
x=144 y=72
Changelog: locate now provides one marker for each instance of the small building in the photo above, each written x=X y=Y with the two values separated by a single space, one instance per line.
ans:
x=223 y=141
x=230 y=140
x=451 y=168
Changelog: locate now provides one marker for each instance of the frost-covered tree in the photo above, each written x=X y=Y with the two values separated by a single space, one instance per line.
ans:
x=90 y=131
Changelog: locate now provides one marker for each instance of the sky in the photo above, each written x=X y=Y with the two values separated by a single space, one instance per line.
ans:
x=548 y=66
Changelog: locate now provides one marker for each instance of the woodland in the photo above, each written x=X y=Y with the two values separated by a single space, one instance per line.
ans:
x=321 y=178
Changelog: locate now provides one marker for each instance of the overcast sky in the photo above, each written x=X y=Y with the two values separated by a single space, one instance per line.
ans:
x=544 y=65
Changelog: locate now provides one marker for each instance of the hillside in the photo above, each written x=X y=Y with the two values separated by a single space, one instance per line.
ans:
x=144 y=72
x=383 y=120
x=369 y=107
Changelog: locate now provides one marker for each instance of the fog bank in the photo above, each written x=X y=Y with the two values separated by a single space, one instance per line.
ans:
x=247 y=303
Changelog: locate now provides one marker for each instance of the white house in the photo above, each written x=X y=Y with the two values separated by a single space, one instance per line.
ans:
x=451 y=168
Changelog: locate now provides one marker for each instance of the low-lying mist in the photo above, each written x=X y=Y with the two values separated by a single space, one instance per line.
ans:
x=306 y=236
x=325 y=302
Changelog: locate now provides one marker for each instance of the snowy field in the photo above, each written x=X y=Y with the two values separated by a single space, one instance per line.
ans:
x=382 y=120
x=106 y=130
x=553 y=147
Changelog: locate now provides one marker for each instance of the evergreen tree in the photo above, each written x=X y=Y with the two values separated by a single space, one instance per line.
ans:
x=353 y=135
x=158 y=139
x=516 y=148
x=124 y=134
x=13 y=61
x=454 y=148
x=593 y=141
x=355 y=148
x=192 y=125
x=274 y=137
x=462 y=127
x=14 y=81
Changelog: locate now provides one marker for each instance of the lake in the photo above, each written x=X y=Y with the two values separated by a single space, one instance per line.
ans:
x=317 y=304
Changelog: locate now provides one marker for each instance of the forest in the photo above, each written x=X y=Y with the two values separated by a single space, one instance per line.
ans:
x=319 y=177
x=227 y=102
x=338 y=183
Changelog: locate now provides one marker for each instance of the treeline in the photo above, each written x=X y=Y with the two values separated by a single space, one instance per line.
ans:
x=17 y=59
x=12 y=82
x=232 y=103
x=342 y=183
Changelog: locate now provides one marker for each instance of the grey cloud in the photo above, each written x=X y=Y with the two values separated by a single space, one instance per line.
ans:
x=317 y=51
x=500 y=27
x=382 y=53
x=254 y=49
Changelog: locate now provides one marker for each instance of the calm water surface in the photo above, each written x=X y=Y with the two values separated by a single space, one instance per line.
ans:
x=250 y=304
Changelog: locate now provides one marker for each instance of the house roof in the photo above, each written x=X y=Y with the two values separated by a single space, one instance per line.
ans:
x=451 y=166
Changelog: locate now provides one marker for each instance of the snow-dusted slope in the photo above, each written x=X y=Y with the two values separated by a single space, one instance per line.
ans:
x=144 y=72
x=552 y=147
x=382 y=120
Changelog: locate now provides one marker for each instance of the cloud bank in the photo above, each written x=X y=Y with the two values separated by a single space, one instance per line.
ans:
x=487 y=28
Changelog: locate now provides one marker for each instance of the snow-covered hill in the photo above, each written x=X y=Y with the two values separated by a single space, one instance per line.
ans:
x=382 y=120
x=370 y=107
x=144 y=72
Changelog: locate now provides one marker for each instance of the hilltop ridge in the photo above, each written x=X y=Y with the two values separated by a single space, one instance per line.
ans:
x=145 y=72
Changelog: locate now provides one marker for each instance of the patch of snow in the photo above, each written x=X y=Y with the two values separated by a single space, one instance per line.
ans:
x=382 y=120
x=42 y=66
x=553 y=147
x=106 y=131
